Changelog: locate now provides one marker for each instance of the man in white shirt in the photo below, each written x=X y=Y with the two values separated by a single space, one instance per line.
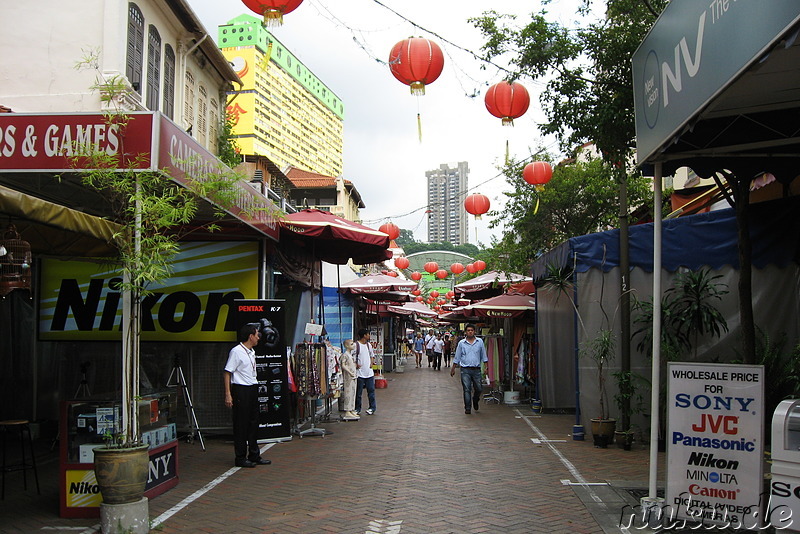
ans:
x=429 y=339
x=438 y=349
x=241 y=394
x=365 y=357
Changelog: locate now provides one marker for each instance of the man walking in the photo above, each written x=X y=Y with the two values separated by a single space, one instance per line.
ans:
x=470 y=356
x=429 y=339
x=241 y=394
x=365 y=357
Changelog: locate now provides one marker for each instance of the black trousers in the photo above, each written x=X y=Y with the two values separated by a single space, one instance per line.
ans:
x=245 y=421
x=437 y=360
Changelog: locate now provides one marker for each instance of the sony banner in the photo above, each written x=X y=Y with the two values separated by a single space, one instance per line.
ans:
x=271 y=365
x=715 y=445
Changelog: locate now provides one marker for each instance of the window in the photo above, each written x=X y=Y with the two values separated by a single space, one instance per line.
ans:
x=153 y=68
x=188 y=103
x=169 y=82
x=213 y=125
x=202 y=112
x=135 y=57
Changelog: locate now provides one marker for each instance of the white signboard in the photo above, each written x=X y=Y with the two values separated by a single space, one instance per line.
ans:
x=715 y=415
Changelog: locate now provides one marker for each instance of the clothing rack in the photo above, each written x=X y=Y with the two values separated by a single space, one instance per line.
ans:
x=310 y=363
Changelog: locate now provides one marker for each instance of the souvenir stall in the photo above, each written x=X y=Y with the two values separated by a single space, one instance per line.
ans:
x=317 y=380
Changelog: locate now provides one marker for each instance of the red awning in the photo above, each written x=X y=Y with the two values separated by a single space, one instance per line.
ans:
x=377 y=284
x=503 y=306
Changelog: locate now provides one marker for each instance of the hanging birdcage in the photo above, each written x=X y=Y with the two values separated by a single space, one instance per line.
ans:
x=15 y=262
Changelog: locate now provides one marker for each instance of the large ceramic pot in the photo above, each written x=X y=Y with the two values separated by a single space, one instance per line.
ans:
x=624 y=440
x=603 y=431
x=121 y=473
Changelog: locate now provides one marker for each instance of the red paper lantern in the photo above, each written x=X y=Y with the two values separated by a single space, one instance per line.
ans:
x=450 y=295
x=434 y=294
x=537 y=174
x=441 y=274
x=419 y=298
x=507 y=101
x=457 y=268
x=471 y=268
x=401 y=262
x=416 y=292
x=479 y=265
x=476 y=204
x=393 y=274
x=415 y=62
x=431 y=267
x=272 y=10
x=416 y=276
x=390 y=229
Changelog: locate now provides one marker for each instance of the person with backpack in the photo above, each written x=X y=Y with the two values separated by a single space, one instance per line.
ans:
x=365 y=358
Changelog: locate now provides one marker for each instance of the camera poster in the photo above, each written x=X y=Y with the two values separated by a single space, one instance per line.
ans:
x=271 y=366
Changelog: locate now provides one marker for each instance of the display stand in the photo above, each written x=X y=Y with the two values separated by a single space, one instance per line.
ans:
x=311 y=364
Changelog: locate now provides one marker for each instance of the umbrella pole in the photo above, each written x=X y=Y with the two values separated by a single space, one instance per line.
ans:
x=320 y=315
x=339 y=297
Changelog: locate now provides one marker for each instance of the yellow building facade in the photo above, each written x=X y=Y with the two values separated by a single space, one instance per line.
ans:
x=283 y=111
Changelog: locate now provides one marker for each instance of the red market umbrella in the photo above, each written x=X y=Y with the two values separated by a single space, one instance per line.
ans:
x=376 y=284
x=489 y=284
x=503 y=306
x=409 y=308
x=334 y=239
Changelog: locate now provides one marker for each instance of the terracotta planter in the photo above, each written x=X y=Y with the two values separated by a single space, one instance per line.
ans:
x=624 y=440
x=121 y=473
x=603 y=431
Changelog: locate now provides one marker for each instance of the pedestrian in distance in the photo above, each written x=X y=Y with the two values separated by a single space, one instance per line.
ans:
x=241 y=395
x=348 y=364
x=419 y=347
x=438 y=349
x=448 y=349
x=429 y=339
x=470 y=357
x=365 y=358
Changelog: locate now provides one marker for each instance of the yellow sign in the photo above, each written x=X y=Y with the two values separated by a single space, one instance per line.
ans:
x=82 y=490
x=81 y=300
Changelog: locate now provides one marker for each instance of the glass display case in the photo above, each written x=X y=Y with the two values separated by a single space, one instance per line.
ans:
x=86 y=423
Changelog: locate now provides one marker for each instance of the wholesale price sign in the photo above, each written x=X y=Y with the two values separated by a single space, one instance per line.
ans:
x=715 y=415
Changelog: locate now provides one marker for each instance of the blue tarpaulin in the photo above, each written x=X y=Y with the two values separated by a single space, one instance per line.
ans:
x=707 y=239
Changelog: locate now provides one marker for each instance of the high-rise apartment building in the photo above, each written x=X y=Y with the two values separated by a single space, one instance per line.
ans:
x=447 y=220
x=283 y=112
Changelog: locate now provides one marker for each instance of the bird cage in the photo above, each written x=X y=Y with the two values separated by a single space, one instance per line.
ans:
x=15 y=262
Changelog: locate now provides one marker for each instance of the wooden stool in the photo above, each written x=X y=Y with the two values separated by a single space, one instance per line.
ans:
x=22 y=425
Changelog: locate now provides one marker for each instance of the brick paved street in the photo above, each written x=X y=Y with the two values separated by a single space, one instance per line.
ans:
x=419 y=465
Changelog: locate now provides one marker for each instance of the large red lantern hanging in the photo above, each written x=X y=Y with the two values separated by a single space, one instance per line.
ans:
x=457 y=268
x=416 y=62
x=419 y=298
x=431 y=267
x=390 y=229
x=416 y=276
x=441 y=274
x=433 y=294
x=471 y=268
x=416 y=292
x=272 y=10
x=402 y=262
x=508 y=101
x=476 y=204
x=537 y=174
x=450 y=295
x=479 y=265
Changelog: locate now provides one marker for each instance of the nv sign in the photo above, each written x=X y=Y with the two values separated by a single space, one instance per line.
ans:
x=693 y=52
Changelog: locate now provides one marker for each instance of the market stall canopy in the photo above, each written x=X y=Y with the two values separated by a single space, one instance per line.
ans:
x=413 y=307
x=334 y=239
x=503 y=306
x=720 y=90
x=377 y=284
x=489 y=284
x=55 y=230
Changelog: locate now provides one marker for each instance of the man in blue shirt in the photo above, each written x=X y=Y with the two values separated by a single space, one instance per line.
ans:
x=470 y=356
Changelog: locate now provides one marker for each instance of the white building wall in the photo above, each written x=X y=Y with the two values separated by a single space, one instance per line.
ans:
x=42 y=42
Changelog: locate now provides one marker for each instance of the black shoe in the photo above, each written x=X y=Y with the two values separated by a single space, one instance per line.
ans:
x=261 y=461
x=476 y=406
x=467 y=412
x=244 y=463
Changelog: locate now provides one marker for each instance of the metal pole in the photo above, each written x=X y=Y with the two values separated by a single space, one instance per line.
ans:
x=656 y=371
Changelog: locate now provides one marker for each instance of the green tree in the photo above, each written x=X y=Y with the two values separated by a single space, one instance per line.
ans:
x=581 y=198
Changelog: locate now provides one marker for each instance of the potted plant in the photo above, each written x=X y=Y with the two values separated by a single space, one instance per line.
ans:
x=152 y=212
x=600 y=349
x=629 y=401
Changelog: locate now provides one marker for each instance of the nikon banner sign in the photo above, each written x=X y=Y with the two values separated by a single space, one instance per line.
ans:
x=81 y=301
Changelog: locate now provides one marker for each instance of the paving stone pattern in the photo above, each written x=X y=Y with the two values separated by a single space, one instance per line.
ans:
x=419 y=465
